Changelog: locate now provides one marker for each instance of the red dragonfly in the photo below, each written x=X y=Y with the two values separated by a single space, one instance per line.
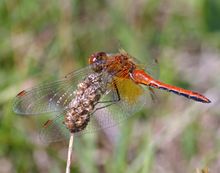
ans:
x=110 y=89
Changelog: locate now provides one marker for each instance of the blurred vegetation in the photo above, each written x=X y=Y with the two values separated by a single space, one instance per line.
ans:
x=44 y=40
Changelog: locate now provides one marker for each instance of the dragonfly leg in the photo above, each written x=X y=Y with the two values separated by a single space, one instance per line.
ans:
x=153 y=95
x=116 y=98
x=105 y=106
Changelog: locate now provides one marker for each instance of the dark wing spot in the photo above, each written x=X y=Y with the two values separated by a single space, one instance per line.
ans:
x=22 y=93
x=47 y=123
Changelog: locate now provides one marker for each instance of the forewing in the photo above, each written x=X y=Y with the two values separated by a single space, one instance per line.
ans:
x=49 y=97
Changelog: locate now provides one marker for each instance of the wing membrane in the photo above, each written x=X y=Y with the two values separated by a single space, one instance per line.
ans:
x=49 y=97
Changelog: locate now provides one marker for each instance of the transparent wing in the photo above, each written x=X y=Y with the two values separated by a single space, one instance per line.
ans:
x=49 y=97
x=111 y=110
x=152 y=68
x=54 y=130
x=122 y=99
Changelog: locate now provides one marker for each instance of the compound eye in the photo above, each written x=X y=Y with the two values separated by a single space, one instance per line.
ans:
x=97 y=57
x=97 y=61
x=101 y=55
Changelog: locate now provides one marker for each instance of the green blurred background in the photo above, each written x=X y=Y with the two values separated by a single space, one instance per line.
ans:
x=43 y=40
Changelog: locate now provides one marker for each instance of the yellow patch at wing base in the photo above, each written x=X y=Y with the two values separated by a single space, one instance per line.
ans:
x=128 y=90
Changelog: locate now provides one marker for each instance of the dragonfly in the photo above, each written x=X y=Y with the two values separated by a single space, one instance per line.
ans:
x=110 y=89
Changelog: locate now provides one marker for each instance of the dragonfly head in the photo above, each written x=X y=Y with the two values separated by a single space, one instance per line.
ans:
x=98 y=61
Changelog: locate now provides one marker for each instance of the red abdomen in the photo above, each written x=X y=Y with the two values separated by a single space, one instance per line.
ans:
x=139 y=76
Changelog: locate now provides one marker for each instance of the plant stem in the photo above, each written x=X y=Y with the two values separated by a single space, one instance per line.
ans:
x=69 y=153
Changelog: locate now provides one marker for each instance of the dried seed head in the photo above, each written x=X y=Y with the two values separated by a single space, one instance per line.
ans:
x=87 y=95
